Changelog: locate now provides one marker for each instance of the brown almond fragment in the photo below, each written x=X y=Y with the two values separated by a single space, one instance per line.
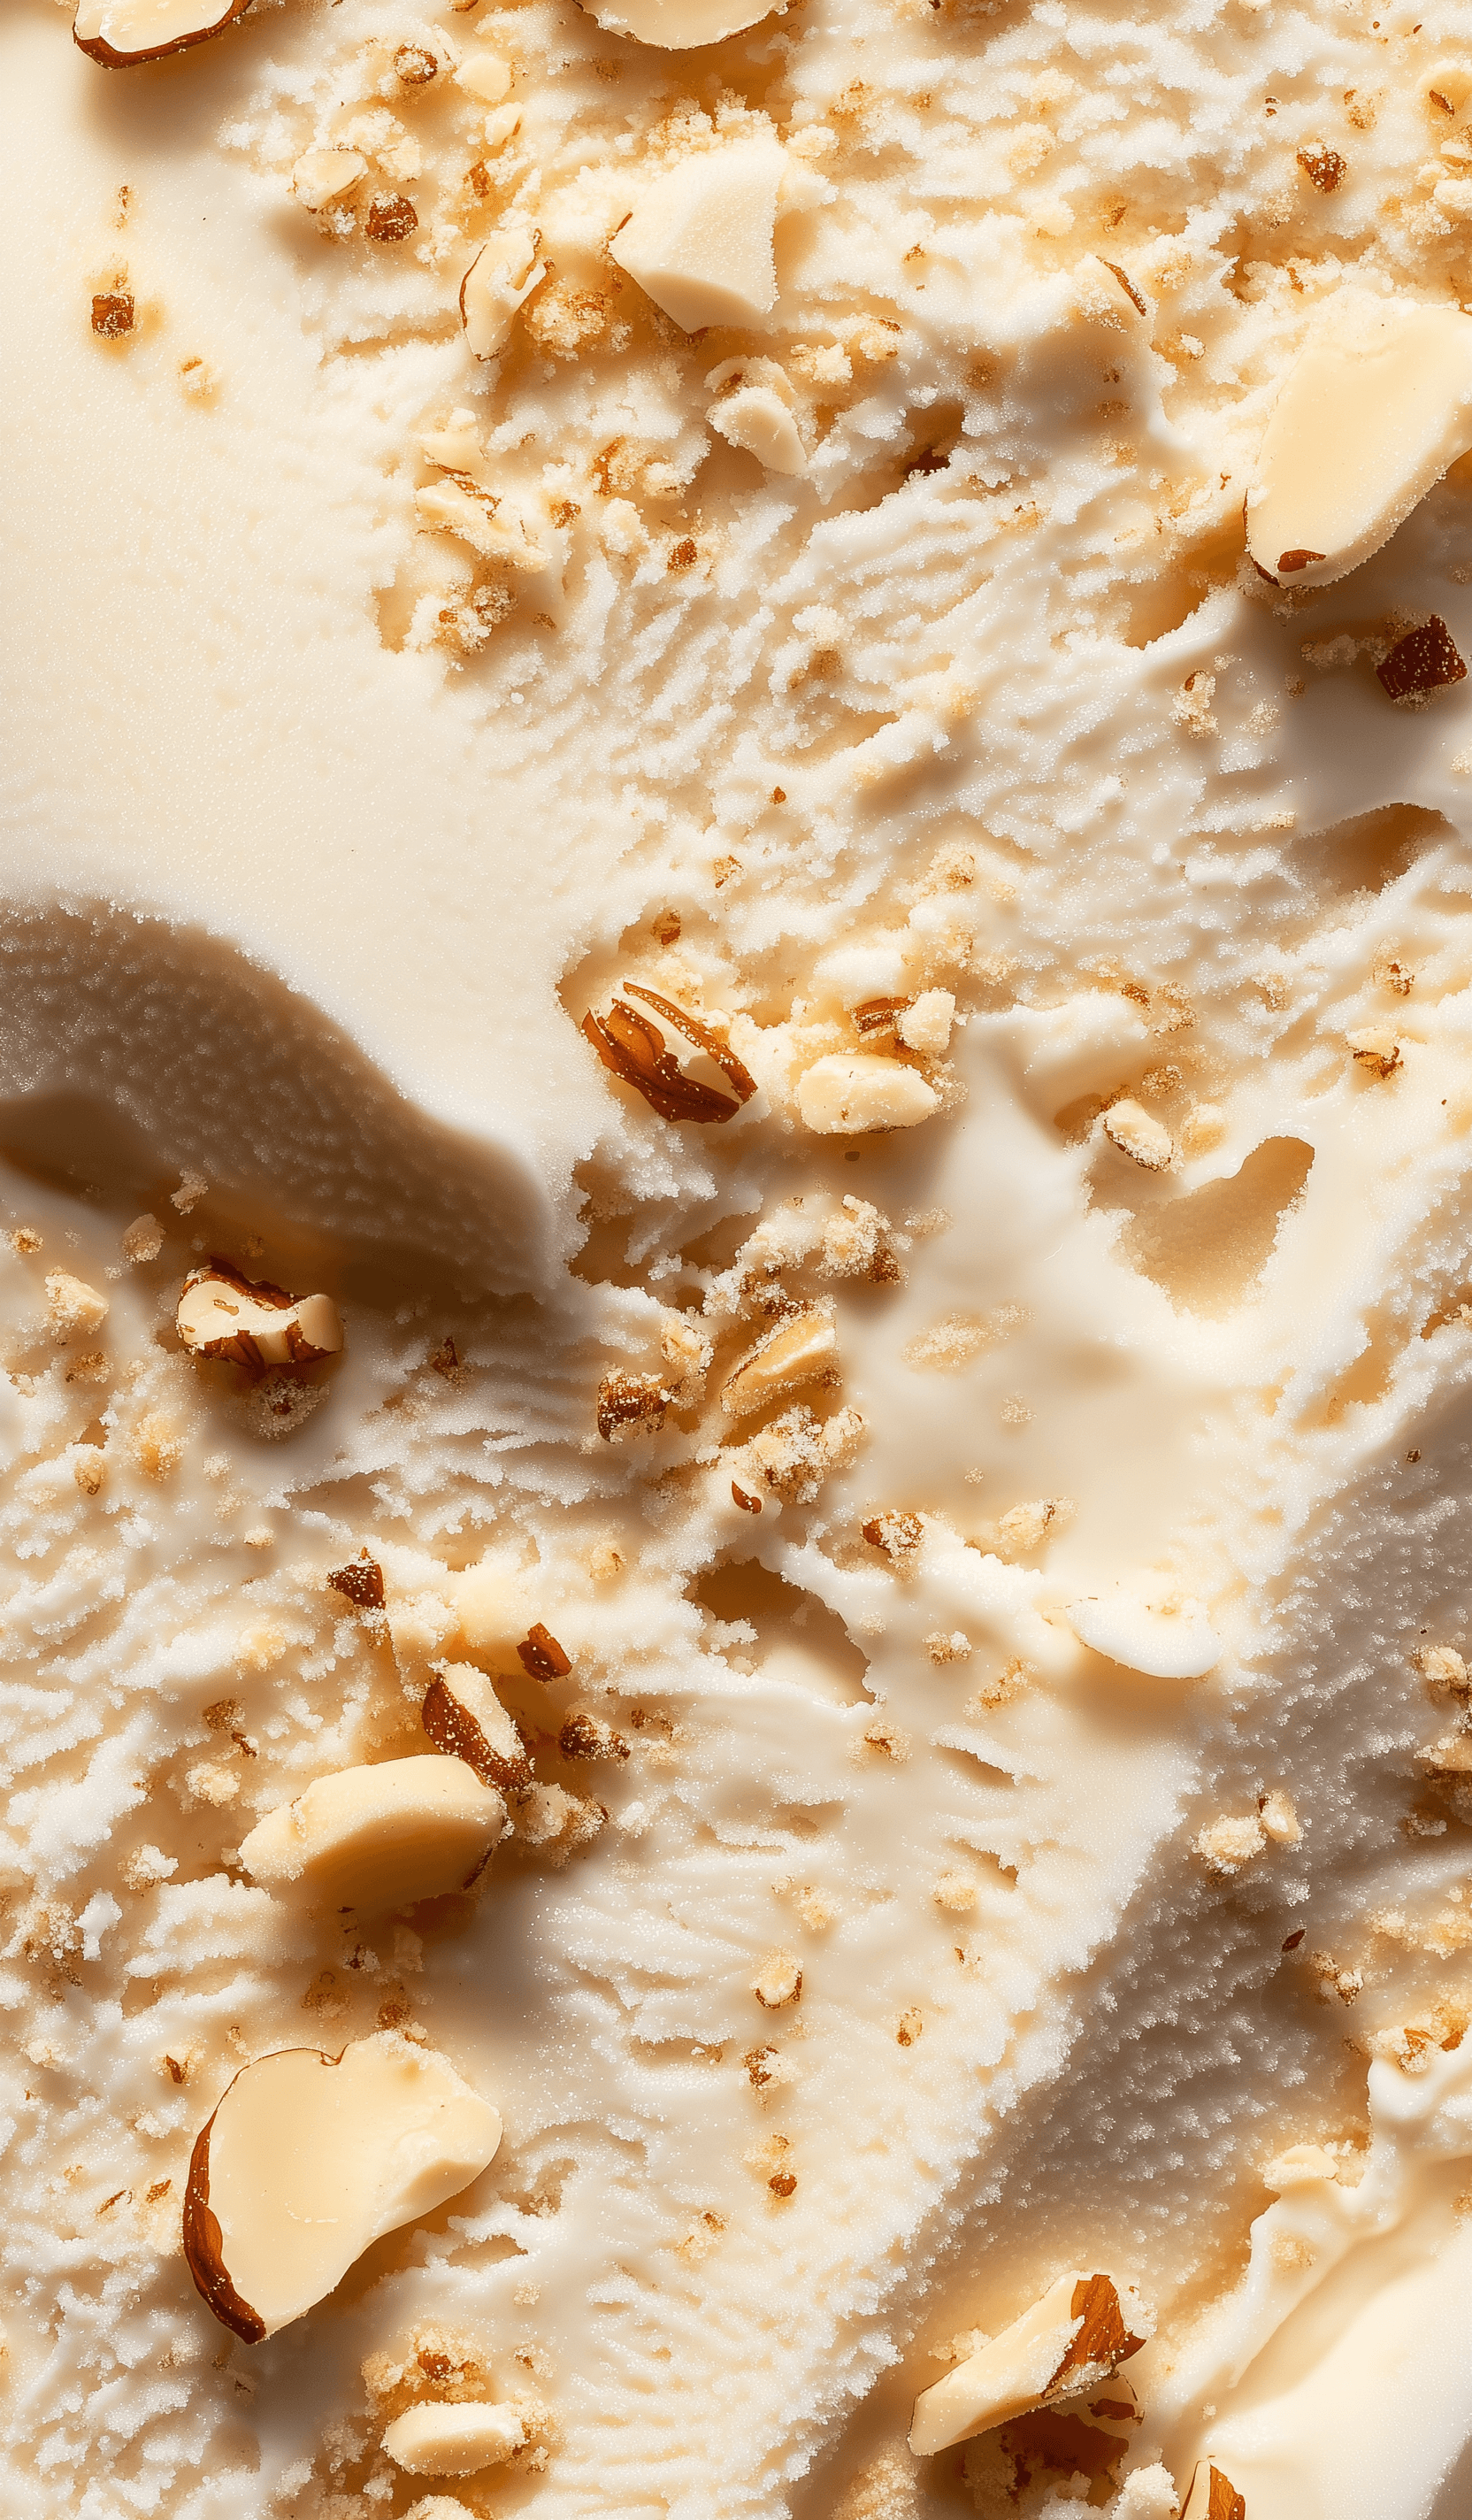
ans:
x=777 y=1982
x=1425 y=660
x=1289 y=562
x=360 y=1582
x=112 y=315
x=308 y=2159
x=899 y=1535
x=1070 y=2340
x=415 y=65
x=1325 y=167
x=747 y=1503
x=465 y=1718
x=632 y=1404
x=587 y=1737
x=119 y=32
x=1213 y=2495
x=392 y=217
x=1376 y=1049
x=249 y=1322
x=542 y=1656
x=681 y=1067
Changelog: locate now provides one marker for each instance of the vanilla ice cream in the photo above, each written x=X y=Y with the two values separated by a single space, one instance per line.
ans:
x=734 y=1107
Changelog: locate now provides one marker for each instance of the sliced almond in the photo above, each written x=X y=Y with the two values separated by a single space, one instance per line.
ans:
x=378 y=1838
x=464 y=1717
x=759 y=420
x=453 y=2440
x=1213 y=2495
x=119 y=32
x=308 y=2159
x=677 y=26
x=699 y=242
x=1070 y=2340
x=844 y=1094
x=499 y=280
x=683 y=1069
x=803 y=1348
x=1374 y=409
x=1139 y=1135
x=251 y=1323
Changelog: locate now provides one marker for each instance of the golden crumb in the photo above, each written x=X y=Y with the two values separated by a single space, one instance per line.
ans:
x=157 y=1445
x=912 y=2025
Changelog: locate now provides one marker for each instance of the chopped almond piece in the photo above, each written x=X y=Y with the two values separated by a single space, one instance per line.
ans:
x=683 y=1069
x=75 y=1309
x=1069 y=2341
x=378 y=1838
x=119 y=32
x=675 y=25
x=1425 y=660
x=802 y=1348
x=1140 y=1135
x=322 y=177
x=247 y=1321
x=465 y=1718
x=1213 y=2495
x=1374 y=409
x=499 y=280
x=845 y=1094
x=699 y=241
x=308 y=2159
x=453 y=2440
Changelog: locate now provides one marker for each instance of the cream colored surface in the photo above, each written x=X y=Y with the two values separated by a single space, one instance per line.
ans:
x=327 y=829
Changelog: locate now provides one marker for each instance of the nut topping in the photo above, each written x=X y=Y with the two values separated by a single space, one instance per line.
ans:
x=453 y=2440
x=1375 y=407
x=112 y=315
x=392 y=217
x=679 y=1066
x=675 y=25
x=542 y=1656
x=1213 y=2495
x=119 y=32
x=308 y=2159
x=1425 y=660
x=802 y=1348
x=465 y=1718
x=1069 y=2341
x=1139 y=1135
x=322 y=177
x=378 y=1838
x=849 y=1092
x=251 y=1323
x=699 y=242
x=360 y=1582
x=502 y=277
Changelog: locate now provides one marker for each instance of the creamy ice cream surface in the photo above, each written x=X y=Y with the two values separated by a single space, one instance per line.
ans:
x=734 y=1120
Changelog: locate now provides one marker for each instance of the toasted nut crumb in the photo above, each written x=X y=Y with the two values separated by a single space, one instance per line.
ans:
x=955 y=1647
x=1442 y=1667
x=605 y=1562
x=464 y=1717
x=157 y=1445
x=542 y=1656
x=803 y=1348
x=899 y=1535
x=1323 y=167
x=891 y=1740
x=1346 y=1983
x=1225 y=1845
x=1425 y=660
x=1279 y=1818
x=360 y=1582
x=1140 y=1135
x=415 y=64
x=587 y=1736
x=1376 y=1048
x=25 y=1238
x=112 y=315
x=89 y=1469
x=73 y=1306
x=143 y=1239
x=912 y=2025
x=632 y=1404
x=956 y=1892
x=777 y=1982
x=324 y=177
x=392 y=217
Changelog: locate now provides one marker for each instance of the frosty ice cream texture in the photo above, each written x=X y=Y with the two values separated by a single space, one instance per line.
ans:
x=979 y=1715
